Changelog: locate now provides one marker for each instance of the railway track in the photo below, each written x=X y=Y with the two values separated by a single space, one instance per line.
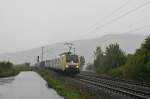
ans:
x=142 y=84
x=131 y=90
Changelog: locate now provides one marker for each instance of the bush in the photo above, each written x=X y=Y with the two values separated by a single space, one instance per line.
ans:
x=138 y=65
x=6 y=69
x=117 y=72
x=6 y=65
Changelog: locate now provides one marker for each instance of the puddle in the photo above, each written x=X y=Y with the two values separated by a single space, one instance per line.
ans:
x=26 y=85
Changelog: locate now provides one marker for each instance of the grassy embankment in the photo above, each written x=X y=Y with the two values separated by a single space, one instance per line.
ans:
x=7 y=69
x=62 y=88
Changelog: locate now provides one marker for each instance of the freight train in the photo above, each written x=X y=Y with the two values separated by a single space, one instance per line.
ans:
x=66 y=62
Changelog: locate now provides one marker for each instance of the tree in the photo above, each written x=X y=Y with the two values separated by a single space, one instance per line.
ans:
x=115 y=57
x=112 y=58
x=138 y=65
x=82 y=61
x=98 y=52
x=98 y=57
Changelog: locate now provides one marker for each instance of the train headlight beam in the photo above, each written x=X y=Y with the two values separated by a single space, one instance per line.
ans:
x=66 y=66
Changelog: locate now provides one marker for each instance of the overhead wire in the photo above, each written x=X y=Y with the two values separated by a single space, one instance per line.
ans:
x=137 y=29
x=113 y=12
x=123 y=15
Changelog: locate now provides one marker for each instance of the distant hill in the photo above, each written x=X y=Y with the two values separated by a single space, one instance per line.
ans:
x=128 y=42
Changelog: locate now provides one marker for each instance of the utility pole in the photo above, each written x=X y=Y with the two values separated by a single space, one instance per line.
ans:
x=42 y=53
x=74 y=51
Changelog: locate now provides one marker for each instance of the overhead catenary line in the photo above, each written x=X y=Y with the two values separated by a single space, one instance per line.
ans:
x=123 y=15
x=139 y=21
x=137 y=29
x=112 y=13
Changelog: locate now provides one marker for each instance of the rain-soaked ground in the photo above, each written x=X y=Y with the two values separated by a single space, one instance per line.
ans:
x=26 y=85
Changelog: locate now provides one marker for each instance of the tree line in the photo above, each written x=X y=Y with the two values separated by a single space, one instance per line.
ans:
x=115 y=62
x=6 y=69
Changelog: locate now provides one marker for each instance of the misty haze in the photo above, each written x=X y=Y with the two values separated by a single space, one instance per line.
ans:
x=74 y=49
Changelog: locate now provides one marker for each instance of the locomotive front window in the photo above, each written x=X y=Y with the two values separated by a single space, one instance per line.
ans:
x=72 y=58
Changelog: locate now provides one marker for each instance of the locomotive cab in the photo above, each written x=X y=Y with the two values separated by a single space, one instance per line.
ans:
x=72 y=63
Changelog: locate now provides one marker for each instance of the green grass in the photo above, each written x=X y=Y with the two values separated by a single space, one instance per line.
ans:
x=117 y=72
x=7 y=72
x=62 y=88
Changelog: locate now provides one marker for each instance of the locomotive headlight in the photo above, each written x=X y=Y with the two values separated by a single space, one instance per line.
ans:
x=77 y=66
x=67 y=66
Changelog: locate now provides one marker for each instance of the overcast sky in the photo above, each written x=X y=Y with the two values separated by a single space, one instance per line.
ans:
x=26 y=24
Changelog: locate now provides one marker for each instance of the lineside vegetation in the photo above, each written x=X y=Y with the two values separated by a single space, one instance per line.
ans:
x=7 y=69
x=116 y=63
x=61 y=87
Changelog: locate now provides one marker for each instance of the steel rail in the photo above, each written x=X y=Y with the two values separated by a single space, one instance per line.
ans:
x=115 y=87
x=142 y=84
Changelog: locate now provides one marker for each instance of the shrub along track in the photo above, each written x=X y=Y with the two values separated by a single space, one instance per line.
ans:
x=102 y=87
x=63 y=84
